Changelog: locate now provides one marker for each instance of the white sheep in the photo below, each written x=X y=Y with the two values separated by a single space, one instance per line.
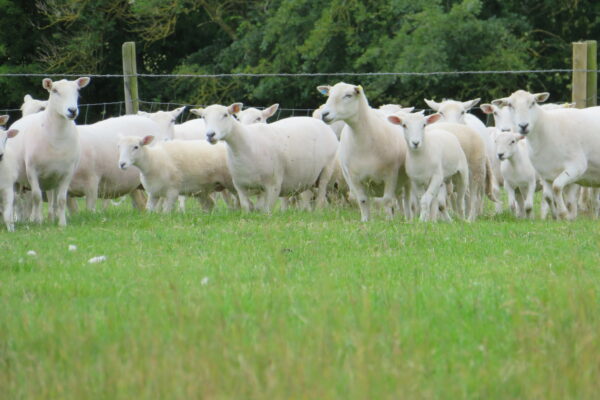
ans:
x=48 y=149
x=253 y=115
x=434 y=157
x=518 y=173
x=32 y=106
x=372 y=150
x=564 y=144
x=97 y=174
x=8 y=174
x=176 y=167
x=458 y=112
x=279 y=159
x=193 y=129
x=165 y=119
x=336 y=126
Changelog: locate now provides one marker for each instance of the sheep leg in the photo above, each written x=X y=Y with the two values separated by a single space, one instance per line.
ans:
x=169 y=201
x=181 y=203
x=512 y=201
x=138 y=199
x=324 y=180
x=205 y=202
x=269 y=197
x=244 y=200
x=460 y=182
x=529 y=200
x=91 y=194
x=520 y=202
x=7 y=210
x=595 y=202
x=389 y=195
x=72 y=205
x=359 y=193
x=306 y=198
x=570 y=175
x=36 y=196
x=443 y=201
x=429 y=195
x=571 y=194
x=152 y=202
x=547 y=200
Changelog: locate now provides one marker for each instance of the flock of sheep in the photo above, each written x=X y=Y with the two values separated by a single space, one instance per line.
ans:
x=405 y=161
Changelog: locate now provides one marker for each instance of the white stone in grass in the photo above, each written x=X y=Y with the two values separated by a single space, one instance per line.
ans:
x=204 y=281
x=72 y=247
x=96 y=260
x=31 y=253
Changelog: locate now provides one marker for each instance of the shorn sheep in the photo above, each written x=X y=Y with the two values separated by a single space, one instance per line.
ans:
x=279 y=159
x=32 y=106
x=372 y=150
x=435 y=157
x=253 y=115
x=176 y=167
x=48 y=147
x=564 y=144
x=8 y=174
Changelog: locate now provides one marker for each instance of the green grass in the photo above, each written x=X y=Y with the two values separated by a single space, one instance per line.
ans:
x=299 y=305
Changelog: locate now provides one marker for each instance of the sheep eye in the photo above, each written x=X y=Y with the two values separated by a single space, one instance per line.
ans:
x=531 y=105
x=462 y=112
x=347 y=96
x=510 y=106
x=258 y=119
x=404 y=126
x=54 y=91
x=42 y=109
x=136 y=147
x=512 y=142
x=441 y=113
x=224 y=115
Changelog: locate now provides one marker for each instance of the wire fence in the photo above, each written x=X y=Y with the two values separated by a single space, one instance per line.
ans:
x=92 y=112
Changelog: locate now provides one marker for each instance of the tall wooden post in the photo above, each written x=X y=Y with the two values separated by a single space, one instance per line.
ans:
x=592 y=75
x=132 y=105
x=579 y=90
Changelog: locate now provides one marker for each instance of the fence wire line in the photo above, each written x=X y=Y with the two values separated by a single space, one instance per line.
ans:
x=305 y=74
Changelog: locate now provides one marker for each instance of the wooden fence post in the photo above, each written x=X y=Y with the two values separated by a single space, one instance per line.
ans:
x=579 y=95
x=592 y=77
x=130 y=80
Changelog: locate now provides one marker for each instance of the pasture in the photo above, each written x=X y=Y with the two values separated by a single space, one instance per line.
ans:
x=299 y=305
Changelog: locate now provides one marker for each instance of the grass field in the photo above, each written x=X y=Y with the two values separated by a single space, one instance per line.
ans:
x=299 y=306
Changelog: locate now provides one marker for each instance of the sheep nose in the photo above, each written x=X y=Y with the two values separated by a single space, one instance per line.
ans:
x=523 y=127
x=210 y=136
x=500 y=156
x=1 y=156
x=122 y=165
x=72 y=111
x=324 y=114
x=415 y=144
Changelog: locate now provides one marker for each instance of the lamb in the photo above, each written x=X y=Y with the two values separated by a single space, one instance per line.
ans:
x=177 y=167
x=518 y=172
x=564 y=144
x=48 y=149
x=279 y=159
x=8 y=174
x=98 y=175
x=457 y=112
x=372 y=151
x=32 y=106
x=253 y=116
x=434 y=157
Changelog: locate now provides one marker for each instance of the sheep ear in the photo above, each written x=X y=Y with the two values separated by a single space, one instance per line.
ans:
x=11 y=133
x=47 y=84
x=269 y=112
x=394 y=119
x=358 y=89
x=407 y=109
x=487 y=108
x=500 y=102
x=235 y=108
x=433 y=118
x=177 y=112
x=83 y=82
x=470 y=103
x=198 y=111
x=147 y=140
x=541 y=97
x=3 y=119
x=143 y=113
x=432 y=104
x=324 y=89
x=27 y=98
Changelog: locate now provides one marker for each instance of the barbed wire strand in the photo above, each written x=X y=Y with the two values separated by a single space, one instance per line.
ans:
x=306 y=74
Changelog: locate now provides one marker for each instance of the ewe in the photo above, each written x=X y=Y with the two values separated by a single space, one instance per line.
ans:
x=435 y=158
x=48 y=150
x=564 y=144
x=372 y=150
x=279 y=159
x=32 y=106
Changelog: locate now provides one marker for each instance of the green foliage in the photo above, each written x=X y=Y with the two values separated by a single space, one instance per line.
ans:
x=271 y=36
